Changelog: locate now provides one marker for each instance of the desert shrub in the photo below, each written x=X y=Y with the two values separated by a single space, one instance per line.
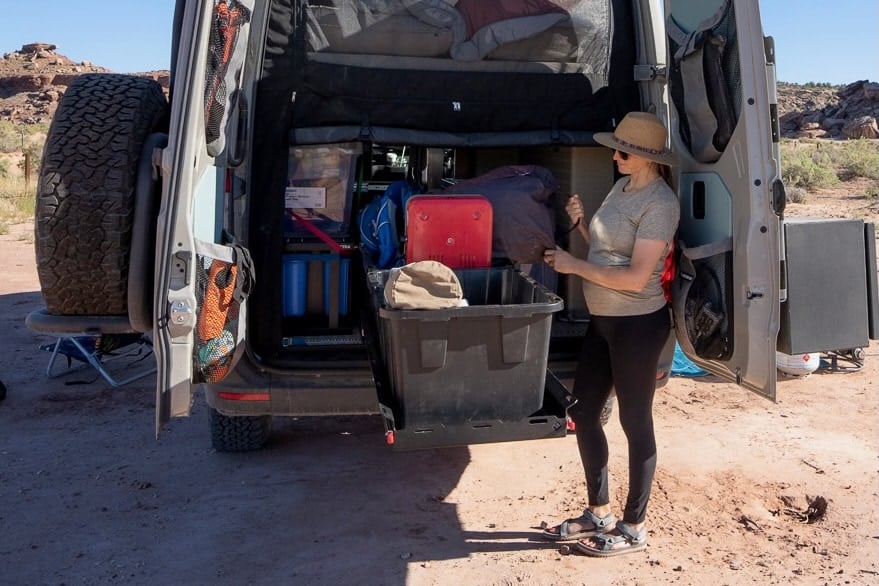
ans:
x=796 y=194
x=10 y=138
x=35 y=136
x=35 y=155
x=15 y=136
x=872 y=191
x=807 y=168
x=26 y=205
x=4 y=168
x=15 y=210
x=859 y=158
x=17 y=200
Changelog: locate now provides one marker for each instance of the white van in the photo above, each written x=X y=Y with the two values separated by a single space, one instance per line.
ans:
x=192 y=217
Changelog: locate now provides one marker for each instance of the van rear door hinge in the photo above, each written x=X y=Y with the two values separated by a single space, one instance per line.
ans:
x=649 y=72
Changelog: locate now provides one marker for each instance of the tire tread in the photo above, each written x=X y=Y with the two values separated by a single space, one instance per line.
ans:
x=85 y=196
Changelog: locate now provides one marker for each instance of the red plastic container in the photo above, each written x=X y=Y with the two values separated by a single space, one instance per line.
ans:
x=452 y=229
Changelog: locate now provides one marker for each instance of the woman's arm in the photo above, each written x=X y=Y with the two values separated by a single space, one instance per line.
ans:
x=583 y=229
x=634 y=277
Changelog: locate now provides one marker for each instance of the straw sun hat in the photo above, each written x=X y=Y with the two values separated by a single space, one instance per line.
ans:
x=640 y=134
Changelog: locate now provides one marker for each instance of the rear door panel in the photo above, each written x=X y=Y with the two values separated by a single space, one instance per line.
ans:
x=194 y=264
x=722 y=90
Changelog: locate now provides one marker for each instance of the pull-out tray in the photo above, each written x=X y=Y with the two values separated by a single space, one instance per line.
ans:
x=549 y=422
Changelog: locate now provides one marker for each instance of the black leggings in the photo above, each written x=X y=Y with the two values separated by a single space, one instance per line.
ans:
x=620 y=353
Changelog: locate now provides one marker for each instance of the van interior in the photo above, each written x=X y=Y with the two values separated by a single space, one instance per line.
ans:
x=353 y=96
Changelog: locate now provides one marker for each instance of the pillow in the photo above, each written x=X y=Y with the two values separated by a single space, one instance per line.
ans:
x=438 y=13
x=479 y=13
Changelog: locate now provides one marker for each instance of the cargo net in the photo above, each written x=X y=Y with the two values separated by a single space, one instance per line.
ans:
x=705 y=70
x=217 y=322
x=228 y=18
x=707 y=310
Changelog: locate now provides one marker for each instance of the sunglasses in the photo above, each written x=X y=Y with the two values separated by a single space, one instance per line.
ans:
x=623 y=155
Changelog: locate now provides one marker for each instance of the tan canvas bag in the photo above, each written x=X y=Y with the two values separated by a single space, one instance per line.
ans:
x=425 y=284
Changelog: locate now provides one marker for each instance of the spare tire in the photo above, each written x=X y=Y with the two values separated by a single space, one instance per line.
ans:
x=85 y=197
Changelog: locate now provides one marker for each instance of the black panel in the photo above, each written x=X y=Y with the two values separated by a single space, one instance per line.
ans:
x=448 y=101
x=826 y=308
x=872 y=286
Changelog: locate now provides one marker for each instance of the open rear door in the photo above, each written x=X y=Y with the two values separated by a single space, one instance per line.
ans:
x=724 y=127
x=202 y=278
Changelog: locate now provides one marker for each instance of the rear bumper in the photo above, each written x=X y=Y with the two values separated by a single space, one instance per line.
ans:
x=250 y=390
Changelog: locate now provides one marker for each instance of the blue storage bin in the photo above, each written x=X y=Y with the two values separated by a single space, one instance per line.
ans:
x=295 y=282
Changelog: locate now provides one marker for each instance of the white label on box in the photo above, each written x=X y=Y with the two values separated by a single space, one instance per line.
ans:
x=305 y=197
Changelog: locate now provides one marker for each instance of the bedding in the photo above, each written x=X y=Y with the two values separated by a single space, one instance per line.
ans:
x=552 y=31
x=479 y=13
x=354 y=28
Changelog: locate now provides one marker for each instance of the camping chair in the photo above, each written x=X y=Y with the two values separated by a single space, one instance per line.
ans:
x=93 y=341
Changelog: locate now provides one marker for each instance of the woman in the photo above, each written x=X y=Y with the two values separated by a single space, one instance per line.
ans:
x=628 y=239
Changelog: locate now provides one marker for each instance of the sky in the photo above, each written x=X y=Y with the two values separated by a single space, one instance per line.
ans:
x=818 y=41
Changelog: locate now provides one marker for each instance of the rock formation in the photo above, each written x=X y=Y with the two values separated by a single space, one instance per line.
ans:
x=33 y=79
x=829 y=112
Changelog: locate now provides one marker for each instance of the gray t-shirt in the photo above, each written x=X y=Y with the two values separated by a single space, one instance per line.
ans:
x=649 y=213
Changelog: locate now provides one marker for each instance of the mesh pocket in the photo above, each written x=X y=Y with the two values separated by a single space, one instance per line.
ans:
x=225 y=59
x=704 y=79
x=706 y=315
x=221 y=288
x=702 y=301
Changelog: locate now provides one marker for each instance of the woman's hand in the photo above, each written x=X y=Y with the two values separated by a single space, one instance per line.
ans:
x=574 y=207
x=560 y=261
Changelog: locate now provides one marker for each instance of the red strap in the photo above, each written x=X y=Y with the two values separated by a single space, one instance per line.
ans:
x=337 y=248
x=669 y=270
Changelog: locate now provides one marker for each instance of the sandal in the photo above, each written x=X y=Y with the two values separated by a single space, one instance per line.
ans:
x=622 y=539
x=598 y=525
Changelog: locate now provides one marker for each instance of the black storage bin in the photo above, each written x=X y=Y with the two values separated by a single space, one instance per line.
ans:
x=482 y=362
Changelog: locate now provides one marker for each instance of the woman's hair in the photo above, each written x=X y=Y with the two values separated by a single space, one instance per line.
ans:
x=664 y=172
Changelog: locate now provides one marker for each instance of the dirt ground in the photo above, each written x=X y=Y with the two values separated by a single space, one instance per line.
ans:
x=88 y=495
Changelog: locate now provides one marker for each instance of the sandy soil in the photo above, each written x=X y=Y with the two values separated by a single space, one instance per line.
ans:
x=88 y=495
